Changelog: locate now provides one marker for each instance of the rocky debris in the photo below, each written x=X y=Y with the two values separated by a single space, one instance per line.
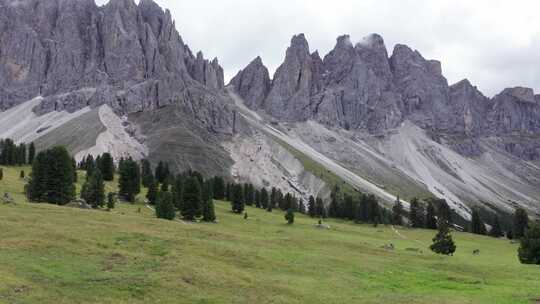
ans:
x=388 y=247
x=79 y=203
x=77 y=54
x=7 y=199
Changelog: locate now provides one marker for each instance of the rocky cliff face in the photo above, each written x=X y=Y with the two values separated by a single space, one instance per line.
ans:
x=74 y=54
x=360 y=87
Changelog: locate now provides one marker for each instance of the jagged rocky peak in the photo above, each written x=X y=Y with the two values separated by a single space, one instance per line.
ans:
x=253 y=83
x=521 y=93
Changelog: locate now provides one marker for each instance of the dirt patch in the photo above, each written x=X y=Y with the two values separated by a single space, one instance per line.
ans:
x=114 y=260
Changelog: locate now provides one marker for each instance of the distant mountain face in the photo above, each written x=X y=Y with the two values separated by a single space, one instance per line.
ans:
x=361 y=87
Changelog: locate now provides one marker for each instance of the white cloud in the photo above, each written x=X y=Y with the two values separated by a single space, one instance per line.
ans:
x=494 y=43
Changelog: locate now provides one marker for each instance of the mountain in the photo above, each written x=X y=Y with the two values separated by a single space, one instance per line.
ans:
x=119 y=78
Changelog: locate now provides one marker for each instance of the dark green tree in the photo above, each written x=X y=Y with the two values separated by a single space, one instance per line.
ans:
x=106 y=166
x=237 y=203
x=442 y=242
x=348 y=208
x=477 y=225
x=265 y=201
x=178 y=191
x=31 y=153
x=219 y=188
x=129 y=182
x=496 y=230
x=93 y=190
x=335 y=199
x=147 y=176
x=312 y=211
x=289 y=216
x=444 y=212
x=520 y=223
x=111 y=201
x=192 y=199
x=320 y=209
x=208 y=212
x=160 y=172
x=165 y=207
x=397 y=213
x=21 y=174
x=416 y=214
x=529 y=249
x=431 y=220
x=152 y=193
x=1 y=174
x=274 y=199
x=257 y=198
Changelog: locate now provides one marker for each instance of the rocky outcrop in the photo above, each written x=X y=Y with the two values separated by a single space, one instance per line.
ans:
x=360 y=87
x=76 y=54
x=253 y=83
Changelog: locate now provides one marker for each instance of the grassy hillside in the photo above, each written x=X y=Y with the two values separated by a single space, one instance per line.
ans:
x=51 y=254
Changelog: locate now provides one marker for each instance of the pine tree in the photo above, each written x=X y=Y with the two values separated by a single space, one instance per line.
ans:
x=333 y=208
x=21 y=174
x=147 y=177
x=237 y=203
x=208 y=211
x=106 y=166
x=94 y=190
x=312 y=212
x=219 y=188
x=496 y=230
x=264 y=198
x=431 y=220
x=257 y=198
x=442 y=242
x=289 y=216
x=444 y=212
x=229 y=192
x=397 y=213
x=274 y=198
x=288 y=202
x=111 y=201
x=75 y=173
x=192 y=197
x=520 y=223
x=477 y=225
x=320 y=209
x=1 y=174
x=52 y=177
x=301 y=207
x=90 y=165
x=529 y=249
x=165 y=207
x=152 y=193
x=129 y=183
x=31 y=153
x=178 y=191
x=160 y=172
x=348 y=208
x=417 y=214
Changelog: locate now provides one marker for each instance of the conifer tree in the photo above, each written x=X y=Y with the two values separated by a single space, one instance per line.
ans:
x=147 y=176
x=31 y=153
x=1 y=174
x=320 y=209
x=160 y=172
x=111 y=201
x=397 y=213
x=477 y=225
x=93 y=191
x=229 y=191
x=208 y=211
x=264 y=198
x=520 y=223
x=178 y=191
x=288 y=202
x=348 y=208
x=75 y=174
x=301 y=207
x=274 y=198
x=431 y=220
x=312 y=212
x=21 y=174
x=219 y=188
x=90 y=165
x=496 y=230
x=106 y=166
x=289 y=216
x=257 y=198
x=529 y=249
x=165 y=207
x=237 y=202
x=442 y=242
x=333 y=208
x=129 y=183
x=444 y=212
x=416 y=214
x=152 y=193
x=192 y=199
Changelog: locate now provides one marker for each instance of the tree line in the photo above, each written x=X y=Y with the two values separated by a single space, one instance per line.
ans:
x=12 y=154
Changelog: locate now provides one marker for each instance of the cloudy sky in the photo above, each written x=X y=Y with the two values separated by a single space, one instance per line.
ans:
x=493 y=43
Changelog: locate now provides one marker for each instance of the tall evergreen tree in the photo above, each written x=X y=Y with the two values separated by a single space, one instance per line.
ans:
x=289 y=216
x=335 y=198
x=52 y=177
x=152 y=193
x=348 y=208
x=160 y=172
x=477 y=225
x=75 y=174
x=192 y=199
x=89 y=165
x=496 y=230
x=93 y=190
x=147 y=177
x=31 y=153
x=444 y=212
x=237 y=203
x=312 y=211
x=265 y=201
x=529 y=249
x=129 y=183
x=178 y=191
x=320 y=209
x=106 y=166
x=165 y=207
x=257 y=197
x=520 y=223
x=397 y=213
x=219 y=188
x=442 y=242
x=417 y=214
x=431 y=220
x=208 y=211
x=301 y=207
x=274 y=198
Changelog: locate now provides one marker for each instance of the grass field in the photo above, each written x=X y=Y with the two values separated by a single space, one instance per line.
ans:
x=51 y=254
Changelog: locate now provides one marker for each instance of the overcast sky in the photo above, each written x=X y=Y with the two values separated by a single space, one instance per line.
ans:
x=493 y=43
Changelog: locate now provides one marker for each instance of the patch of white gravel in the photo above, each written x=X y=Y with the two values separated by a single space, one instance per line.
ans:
x=115 y=140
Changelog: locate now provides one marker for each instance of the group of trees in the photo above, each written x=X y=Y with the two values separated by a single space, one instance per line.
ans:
x=104 y=163
x=12 y=154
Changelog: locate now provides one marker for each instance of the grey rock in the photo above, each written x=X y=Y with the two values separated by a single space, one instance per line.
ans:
x=253 y=83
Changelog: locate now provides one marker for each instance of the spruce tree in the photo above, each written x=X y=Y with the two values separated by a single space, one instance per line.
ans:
x=160 y=172
x=312 y=212
x=75 y=173
x=431 y=220
x=348 y=208
x=237 y=203
x=397 y=213
x=152 y=193
x=208 y=211
x=129 y=183
x=320 y=209
x=93 y=191
x=178 y=191
x=147 y=177
x=192 y=197
x=1 y=174
x=417 y=214
x=520 y=223
x=289 y=216
x=477 y=225
x=264 y=198
x=111 y=201
x=443 y=211
x=301 y=207
x=219 y=188
x=274 y=198
x=333 y=208
x=165 y=207
x=31 y=153
x=442 y=242
x=257 y=198
x=529 y=249
x=106 y=166
x=496 y=230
